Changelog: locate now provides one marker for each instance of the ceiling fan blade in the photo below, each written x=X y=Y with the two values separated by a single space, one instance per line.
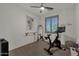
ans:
x=35 y=6
x=50 y=8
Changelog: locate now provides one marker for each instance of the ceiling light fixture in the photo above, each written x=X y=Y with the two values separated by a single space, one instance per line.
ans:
x=42 y=8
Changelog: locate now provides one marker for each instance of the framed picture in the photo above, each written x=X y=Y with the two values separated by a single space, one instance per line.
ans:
x=30 y=21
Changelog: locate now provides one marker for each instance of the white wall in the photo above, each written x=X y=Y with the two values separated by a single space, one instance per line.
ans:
x=77 y=23
x=13 y=25
x=66 y=16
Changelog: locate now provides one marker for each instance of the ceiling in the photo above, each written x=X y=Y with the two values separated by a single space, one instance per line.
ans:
x=56 y=6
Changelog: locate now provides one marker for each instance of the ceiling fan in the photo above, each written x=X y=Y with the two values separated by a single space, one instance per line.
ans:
x=42 y=7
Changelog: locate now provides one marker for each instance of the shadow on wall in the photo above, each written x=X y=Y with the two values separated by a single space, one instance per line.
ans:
x=68 y=38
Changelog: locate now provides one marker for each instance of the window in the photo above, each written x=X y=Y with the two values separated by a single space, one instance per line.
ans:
x=51 y=24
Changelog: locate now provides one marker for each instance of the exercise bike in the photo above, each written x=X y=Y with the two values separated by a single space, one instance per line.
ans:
x=55 y=43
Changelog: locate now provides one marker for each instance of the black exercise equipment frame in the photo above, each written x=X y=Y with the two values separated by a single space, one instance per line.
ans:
x=55 y=43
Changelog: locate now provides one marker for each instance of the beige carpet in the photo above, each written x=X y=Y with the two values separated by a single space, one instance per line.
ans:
x=37 y=49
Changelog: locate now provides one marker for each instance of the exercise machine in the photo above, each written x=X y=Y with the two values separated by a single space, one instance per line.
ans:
x=55 y=43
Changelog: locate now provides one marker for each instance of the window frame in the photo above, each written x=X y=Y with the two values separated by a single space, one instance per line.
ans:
x=51 y=23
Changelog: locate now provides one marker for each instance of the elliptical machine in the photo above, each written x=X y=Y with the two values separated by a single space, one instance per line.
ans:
x=55 y=43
